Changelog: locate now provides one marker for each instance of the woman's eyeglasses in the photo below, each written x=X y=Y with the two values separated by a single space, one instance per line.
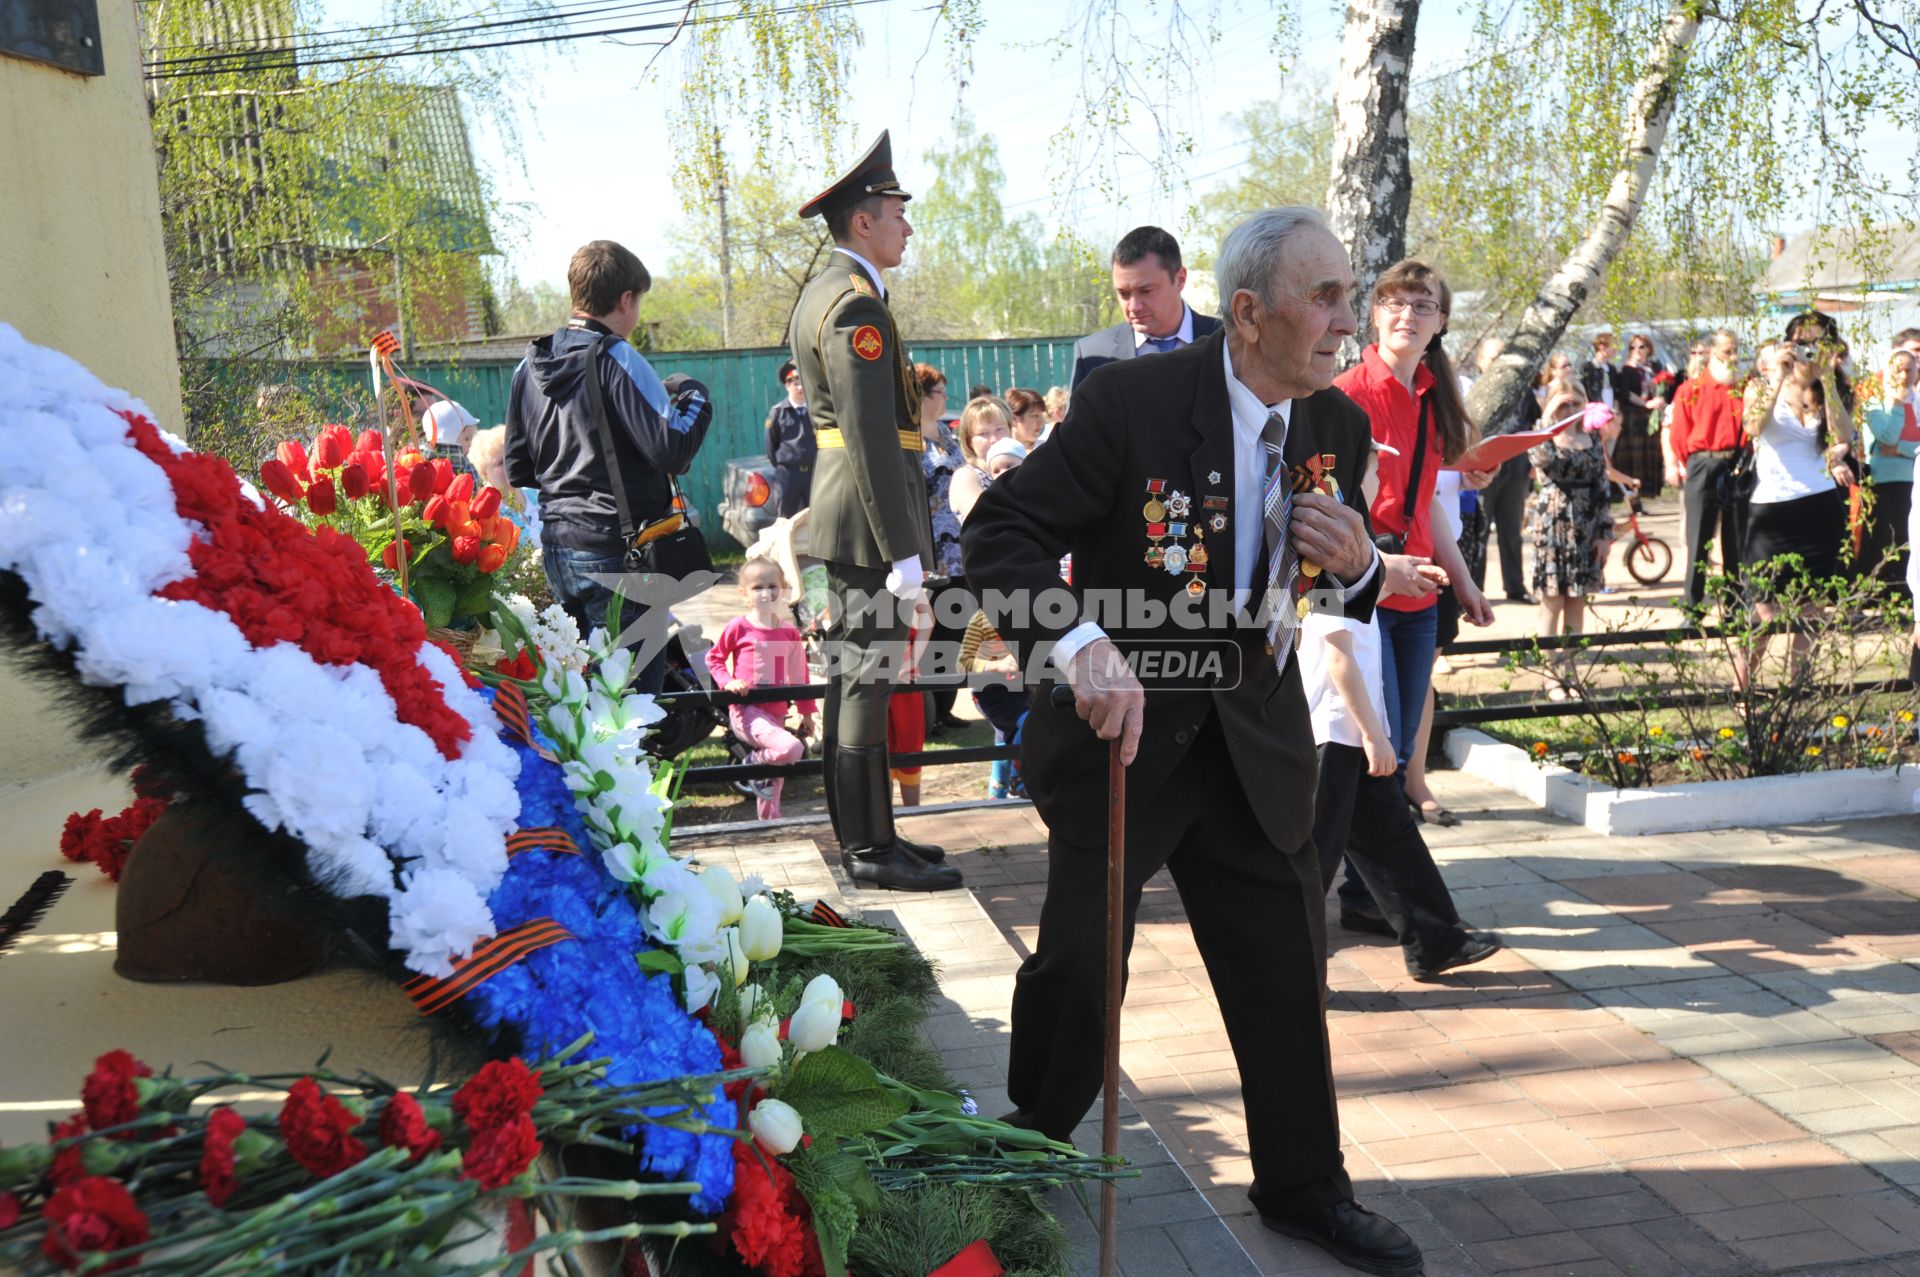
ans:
x=1423 y=308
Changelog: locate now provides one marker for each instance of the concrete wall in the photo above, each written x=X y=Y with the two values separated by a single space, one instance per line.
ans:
x=83 y=270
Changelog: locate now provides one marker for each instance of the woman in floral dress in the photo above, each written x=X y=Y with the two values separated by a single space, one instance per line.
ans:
x=1568 y=518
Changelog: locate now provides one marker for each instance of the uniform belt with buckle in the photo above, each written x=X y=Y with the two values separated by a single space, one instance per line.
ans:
x=830 y=437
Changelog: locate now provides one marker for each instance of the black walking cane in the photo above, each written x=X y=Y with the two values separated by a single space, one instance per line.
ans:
x=1062 y=696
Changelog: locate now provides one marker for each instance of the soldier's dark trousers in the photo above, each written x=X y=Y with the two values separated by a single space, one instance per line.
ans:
x=866 y=646
x=1258 y=916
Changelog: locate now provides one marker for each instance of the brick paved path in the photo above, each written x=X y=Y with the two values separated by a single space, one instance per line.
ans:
x=1701 y=1054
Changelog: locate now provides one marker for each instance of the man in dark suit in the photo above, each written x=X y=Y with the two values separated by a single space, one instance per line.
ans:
x=1147 y=279
x=1191 y=491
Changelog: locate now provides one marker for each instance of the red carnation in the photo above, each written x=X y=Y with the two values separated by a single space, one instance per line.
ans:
x=487 y=503
x=318 y=1130
x=461 y=489
x=109 y=1094
x=216 y=1160
x=442 y=474
x=79 y=834
x=280 y=481
x=333 y=446
x=522 y=667
x=501 y=1154
x=147 y=783
x=293 y=454
x=491 y=557
x=95 y=1215
x=68 y=1166
x=353 y=481
x=500 y=1092
x=420 y=481
x=769 y=1218
x=466 y=549
x=9 y=1211
x=404 y=1125
x=320 y=497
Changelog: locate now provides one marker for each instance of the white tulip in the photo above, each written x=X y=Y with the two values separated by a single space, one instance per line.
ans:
x=760 y=1046
x=815 y=1026
x=776 y=1126
x=823 y=988
x=736 y=957
x=725 y=891
x=760 y=929
x=756 y=1004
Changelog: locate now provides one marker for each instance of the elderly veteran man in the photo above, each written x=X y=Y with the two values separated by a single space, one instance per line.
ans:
x=870 y=519
x=1216 y=487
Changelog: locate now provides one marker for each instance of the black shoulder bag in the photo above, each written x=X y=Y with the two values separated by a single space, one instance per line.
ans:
x=1396 y=542
x=668 y=546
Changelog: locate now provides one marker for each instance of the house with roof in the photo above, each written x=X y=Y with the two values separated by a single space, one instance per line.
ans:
x=1839 y=269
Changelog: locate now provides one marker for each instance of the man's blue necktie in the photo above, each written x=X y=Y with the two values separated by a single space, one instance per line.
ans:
x=1161 y=345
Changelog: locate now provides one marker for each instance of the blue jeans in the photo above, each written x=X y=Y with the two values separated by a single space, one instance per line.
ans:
x=570 y=574
x=1407 y=647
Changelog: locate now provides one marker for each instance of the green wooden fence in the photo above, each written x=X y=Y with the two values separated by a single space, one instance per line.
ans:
x=743 y=384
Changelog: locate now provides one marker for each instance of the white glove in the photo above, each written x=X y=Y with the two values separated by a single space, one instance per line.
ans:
x=906 y=578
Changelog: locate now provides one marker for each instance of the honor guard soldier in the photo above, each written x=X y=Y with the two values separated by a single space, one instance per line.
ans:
x=869 y=518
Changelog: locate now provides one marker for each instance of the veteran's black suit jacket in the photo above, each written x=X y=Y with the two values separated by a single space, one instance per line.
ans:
x=1083 y=493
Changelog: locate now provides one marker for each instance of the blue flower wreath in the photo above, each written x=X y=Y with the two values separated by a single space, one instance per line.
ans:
x=554 y=995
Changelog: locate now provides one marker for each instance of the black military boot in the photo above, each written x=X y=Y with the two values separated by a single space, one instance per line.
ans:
x=871 y=854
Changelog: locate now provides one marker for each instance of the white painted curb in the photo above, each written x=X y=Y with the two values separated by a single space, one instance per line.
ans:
x=1689 y=805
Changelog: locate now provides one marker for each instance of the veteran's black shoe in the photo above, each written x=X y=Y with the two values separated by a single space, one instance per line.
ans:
x=1363 y=920
x=1479 y=946
x=1355 y=1236
x=897 y=869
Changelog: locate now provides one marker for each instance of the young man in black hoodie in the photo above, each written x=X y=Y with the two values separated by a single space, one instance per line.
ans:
x=554 y=444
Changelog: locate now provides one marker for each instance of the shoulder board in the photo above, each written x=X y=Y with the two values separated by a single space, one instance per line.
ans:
x=861 y=284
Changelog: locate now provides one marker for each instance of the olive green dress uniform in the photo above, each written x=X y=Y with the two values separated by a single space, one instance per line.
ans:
x=868 y=511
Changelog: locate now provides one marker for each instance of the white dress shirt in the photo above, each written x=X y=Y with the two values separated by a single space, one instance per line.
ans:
x=1184 y=332
x=873 y=272
x=1249 y=478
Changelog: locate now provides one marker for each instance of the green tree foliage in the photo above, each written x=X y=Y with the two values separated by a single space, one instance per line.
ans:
x=306 y=205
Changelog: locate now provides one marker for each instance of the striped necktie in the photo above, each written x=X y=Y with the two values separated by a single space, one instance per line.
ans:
x=1283 y=565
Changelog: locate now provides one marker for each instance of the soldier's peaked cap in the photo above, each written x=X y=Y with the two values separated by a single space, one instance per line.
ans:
x=871 y=174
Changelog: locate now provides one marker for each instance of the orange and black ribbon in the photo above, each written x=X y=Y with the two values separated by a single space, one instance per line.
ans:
x=550 y=837
x=824 y=914
x=489 y=958
x=510 y=703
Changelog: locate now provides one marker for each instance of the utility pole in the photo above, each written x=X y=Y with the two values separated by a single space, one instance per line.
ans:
x=726 y=252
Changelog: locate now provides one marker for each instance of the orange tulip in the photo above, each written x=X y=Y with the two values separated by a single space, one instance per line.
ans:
x=491 y=557
x=506 y=533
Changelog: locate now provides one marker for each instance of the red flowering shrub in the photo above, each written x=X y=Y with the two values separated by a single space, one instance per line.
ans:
x=109 y=1095
x=94 y=1215
x=404 y=1125
x=500 y=1092
x=768 y=1220
x=216 y=1159
x=501 y=1154
x=318 y=1130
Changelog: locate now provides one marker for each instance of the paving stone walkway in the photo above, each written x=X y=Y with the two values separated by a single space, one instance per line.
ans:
x=1700 y=1054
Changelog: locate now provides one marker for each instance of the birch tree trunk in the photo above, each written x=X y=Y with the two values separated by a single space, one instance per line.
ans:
x=1371 y=185
x=1496 y=395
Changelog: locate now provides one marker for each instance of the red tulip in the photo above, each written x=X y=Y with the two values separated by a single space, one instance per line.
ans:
x=331 y=449
x=420 y=481
x=442 y=474
x=391 y=555
x=461 y=489
x=294 y=456
x=278 y=476
x=320 y=497
x=466 y=549
x=354 y=483
x=436 y=511
x=370 y=441
x=491 y=557
x=376 y=467
x=487 y=504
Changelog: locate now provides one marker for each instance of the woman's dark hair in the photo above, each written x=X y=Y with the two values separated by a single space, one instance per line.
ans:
x=928 y=377
x=1457 y=431
x=1023 y=401
x=1817 y=325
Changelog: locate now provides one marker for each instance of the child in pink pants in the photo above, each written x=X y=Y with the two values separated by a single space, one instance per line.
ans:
x=762 y=650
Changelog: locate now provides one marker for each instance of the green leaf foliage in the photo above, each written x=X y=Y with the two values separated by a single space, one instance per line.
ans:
x=837 y=1094
x=839 y=1189
x=915 y=1231
x=436 y=599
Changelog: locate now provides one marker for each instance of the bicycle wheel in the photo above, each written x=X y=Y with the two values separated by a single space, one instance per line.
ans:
x=1648 y=560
